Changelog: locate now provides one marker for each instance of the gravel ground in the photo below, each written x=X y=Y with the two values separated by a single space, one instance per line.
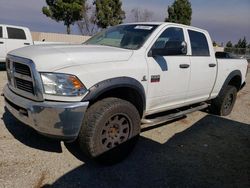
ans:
x=199 y=151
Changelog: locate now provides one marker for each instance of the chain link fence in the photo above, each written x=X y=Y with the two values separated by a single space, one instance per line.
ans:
x=239 y=52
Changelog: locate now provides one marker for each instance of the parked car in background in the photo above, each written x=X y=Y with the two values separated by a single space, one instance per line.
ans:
x=13 y=37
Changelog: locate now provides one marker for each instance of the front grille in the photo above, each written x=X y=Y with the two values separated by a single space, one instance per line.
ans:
x=22 y=69
x=24 y=85
x=20 y=78
x=20 y=83
x=23 y=78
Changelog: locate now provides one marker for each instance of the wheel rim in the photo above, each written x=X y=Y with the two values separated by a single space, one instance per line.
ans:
x=115 y=131
x=228 y=102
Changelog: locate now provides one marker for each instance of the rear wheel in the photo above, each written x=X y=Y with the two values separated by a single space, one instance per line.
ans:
x=110 y=129
x=224 y=103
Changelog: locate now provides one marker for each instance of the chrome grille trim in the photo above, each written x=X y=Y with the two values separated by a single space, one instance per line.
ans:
x=24 y=85
x=23 y=79
x=22 y=69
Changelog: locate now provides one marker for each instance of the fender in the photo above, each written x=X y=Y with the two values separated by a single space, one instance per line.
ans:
x=229 y=78
x=113 y=83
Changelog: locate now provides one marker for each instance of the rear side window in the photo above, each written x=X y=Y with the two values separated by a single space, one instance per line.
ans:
x=1 y=32
x=199 y=43
x=15 y=33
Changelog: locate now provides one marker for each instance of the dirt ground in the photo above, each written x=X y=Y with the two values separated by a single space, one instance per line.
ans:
x=201 y=150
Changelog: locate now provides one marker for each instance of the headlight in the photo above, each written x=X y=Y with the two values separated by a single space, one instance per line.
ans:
x=62 y=84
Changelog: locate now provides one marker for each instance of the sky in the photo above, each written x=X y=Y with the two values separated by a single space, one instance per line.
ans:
x=224 y=19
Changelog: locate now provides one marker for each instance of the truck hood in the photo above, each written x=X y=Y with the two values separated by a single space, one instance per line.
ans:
x=55 y=57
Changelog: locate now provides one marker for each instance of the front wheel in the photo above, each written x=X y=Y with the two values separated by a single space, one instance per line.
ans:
x=110 y=129
x=224 y=103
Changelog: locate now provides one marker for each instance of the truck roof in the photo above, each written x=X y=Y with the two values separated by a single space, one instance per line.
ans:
x=167 y=23
x=16 y=26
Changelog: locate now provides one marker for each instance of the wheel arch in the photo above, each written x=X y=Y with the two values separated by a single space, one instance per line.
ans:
x=121 y=87
x=234 y=79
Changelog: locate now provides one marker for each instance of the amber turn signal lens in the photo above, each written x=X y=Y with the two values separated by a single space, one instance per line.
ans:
x=76 y=83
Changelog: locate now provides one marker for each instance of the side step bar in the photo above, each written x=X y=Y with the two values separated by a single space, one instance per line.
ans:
x=169 y=117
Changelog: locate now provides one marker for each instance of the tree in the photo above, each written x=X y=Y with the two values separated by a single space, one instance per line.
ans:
x=142 y=15
x=68 y=11
x=109 y=12
x=238 y=44
x=243 y=43
x=229 y=47
x=180 y=12
x=229 y=44
x=88 y=26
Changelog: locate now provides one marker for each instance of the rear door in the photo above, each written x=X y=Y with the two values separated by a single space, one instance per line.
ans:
x=2 y=45
x=203 y=67
x=16 y=38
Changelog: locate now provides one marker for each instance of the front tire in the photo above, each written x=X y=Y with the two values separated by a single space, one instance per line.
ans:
x=108 y=126
x=224 y=103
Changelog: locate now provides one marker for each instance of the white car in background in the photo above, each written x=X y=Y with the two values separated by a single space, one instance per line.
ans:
x=13 y=37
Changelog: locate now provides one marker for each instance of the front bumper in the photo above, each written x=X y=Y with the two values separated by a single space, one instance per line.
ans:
x=57 y=119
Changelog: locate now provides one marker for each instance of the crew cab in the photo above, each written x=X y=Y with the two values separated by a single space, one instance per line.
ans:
x=100 y=93
x=13 y=37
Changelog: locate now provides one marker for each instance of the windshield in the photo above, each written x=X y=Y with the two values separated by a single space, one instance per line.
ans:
x=123 y=36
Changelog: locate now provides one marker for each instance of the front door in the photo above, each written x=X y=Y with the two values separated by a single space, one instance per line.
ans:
x=168 y=75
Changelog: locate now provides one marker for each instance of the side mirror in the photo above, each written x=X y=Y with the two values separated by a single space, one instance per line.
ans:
x=171 y=48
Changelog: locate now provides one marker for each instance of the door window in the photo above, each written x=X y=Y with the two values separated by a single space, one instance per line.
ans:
x=1 y=32
x=15 y=33
x=171 y=34
x=199 y=43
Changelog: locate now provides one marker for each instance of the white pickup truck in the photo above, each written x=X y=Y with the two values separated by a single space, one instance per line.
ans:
x=13 y=37
x=100 y=93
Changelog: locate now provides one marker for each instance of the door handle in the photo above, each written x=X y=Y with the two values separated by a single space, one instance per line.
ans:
x=184 y=66
x=26 y=43
x=1 y=42
x=212 y=65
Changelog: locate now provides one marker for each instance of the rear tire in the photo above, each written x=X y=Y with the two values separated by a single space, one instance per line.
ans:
x=224 y=103
x=110 y=130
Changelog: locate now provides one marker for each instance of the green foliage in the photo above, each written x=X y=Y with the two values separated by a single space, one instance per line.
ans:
x=240 y=48
x=238 y=44
x=229 y=44
x=109 y=12
x=241 y=43
x=180 y=12
x=67 y=11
